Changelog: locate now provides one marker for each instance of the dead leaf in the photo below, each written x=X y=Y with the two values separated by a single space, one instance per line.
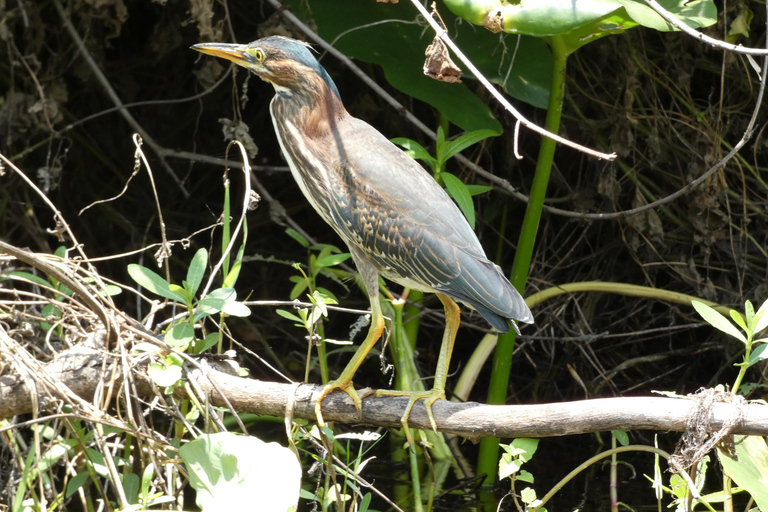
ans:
x=439 y=64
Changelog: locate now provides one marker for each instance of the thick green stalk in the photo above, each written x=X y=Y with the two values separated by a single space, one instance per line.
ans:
x=502 y=361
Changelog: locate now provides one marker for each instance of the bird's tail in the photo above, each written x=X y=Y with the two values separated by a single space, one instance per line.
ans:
x=483 y=286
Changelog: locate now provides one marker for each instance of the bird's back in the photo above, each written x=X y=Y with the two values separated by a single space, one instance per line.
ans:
x=411 y=229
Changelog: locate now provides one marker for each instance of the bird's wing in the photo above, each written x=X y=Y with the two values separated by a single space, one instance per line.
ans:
x=389 y=206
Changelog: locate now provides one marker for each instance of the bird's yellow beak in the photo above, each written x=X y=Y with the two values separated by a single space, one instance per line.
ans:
x=237 y=53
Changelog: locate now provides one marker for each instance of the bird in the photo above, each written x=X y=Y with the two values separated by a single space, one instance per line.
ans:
x=397 y=221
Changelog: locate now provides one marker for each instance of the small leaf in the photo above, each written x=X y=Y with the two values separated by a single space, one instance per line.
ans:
x=228 y=307
x=761 y=317
x=738 y=319
x=525 y=476
x=297 y=236
x=526 y=446
x=457 y=190
x=760 y=353
x=749 y=314
x=180 y=335
x=164 y=377
x=416 y=150
x=464 y=141
x=75 y=483
x=332 y=260
x=152 y=282
x=31 y=277
x=298 y=289
x=200 y=346
x=290 y=316
x=717 y=320
x=231 y=278
x=182 y=292
x=478 y=189
x=196 y=270
x=621 y=436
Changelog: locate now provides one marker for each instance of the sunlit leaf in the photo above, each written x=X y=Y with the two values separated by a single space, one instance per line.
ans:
x=152 y=282
x=196 y=270
x=458 y=191
x=717 y=320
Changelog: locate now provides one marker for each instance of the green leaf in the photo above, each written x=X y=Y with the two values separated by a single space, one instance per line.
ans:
x=749 y=315
x=75 y=483
x=464 y=141
x=457 y=190
x=526 y=447
x=621 y=436
x=695 y=14
x=181 y=292
x=525 y=476
x=738 y=319
x=758 y=354
x=332 y=260
x=223 y=300
x=717 y=320
x=750 y=471
x=298 y=288
x=231 y=278
x=180 y=335
x=196 y=270
x=297 y=236
x=475 y=190
x=31 y=277
x=131 y=486
x=416 y=151
x=290 y=316
x=162 y=376
x=152 y=282
x=761 y=317
x=200 y=346
x=386 y=35
x=228 y=470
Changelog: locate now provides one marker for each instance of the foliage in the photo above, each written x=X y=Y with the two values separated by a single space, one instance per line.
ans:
x=445 y=150
x=228 y=470
x=667 y=105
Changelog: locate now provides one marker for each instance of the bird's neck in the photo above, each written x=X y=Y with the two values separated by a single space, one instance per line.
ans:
x=314 y=112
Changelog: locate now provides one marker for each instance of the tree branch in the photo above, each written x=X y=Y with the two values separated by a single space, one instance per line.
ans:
x=80 y=369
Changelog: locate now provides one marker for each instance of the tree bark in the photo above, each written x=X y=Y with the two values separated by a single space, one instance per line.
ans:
x=82 y=369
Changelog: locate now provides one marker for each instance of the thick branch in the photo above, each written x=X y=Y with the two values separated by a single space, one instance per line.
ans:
x=80 y=370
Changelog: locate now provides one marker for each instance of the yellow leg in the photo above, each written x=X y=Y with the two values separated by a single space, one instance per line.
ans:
x=344 y=381
x=452 y=320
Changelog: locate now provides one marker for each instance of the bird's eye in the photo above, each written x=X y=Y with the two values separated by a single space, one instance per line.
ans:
x=259 y=54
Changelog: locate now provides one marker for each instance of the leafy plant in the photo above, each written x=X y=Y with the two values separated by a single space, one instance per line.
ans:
x=181 y=336
x=751 y=323
x=228 y=470
x=750 y=467
x=58 y=289
x=445 y=150
x=517 y=453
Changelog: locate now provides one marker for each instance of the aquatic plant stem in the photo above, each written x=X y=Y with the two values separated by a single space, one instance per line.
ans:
x=502 y=361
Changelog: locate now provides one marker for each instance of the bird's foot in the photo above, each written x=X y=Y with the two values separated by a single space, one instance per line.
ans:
x=345 y=386
x=430 y=397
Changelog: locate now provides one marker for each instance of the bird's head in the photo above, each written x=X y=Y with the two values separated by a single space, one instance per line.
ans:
x=284 y=62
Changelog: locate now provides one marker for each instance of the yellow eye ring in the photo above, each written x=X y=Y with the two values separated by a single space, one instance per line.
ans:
x=259 y=54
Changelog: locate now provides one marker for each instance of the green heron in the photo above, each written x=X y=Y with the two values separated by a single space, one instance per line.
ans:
x=395 y=218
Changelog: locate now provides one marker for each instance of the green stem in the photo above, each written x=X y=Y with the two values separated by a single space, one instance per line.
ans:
x=743 y=367
x=502 y=361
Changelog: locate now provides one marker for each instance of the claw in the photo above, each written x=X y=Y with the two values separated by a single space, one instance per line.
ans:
x=430 y=397
x=347 y=387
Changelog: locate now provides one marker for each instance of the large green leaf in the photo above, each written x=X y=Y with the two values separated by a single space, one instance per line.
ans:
x=229 y=471
x=579 y=22
x=388 y=35
x=750 y=470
